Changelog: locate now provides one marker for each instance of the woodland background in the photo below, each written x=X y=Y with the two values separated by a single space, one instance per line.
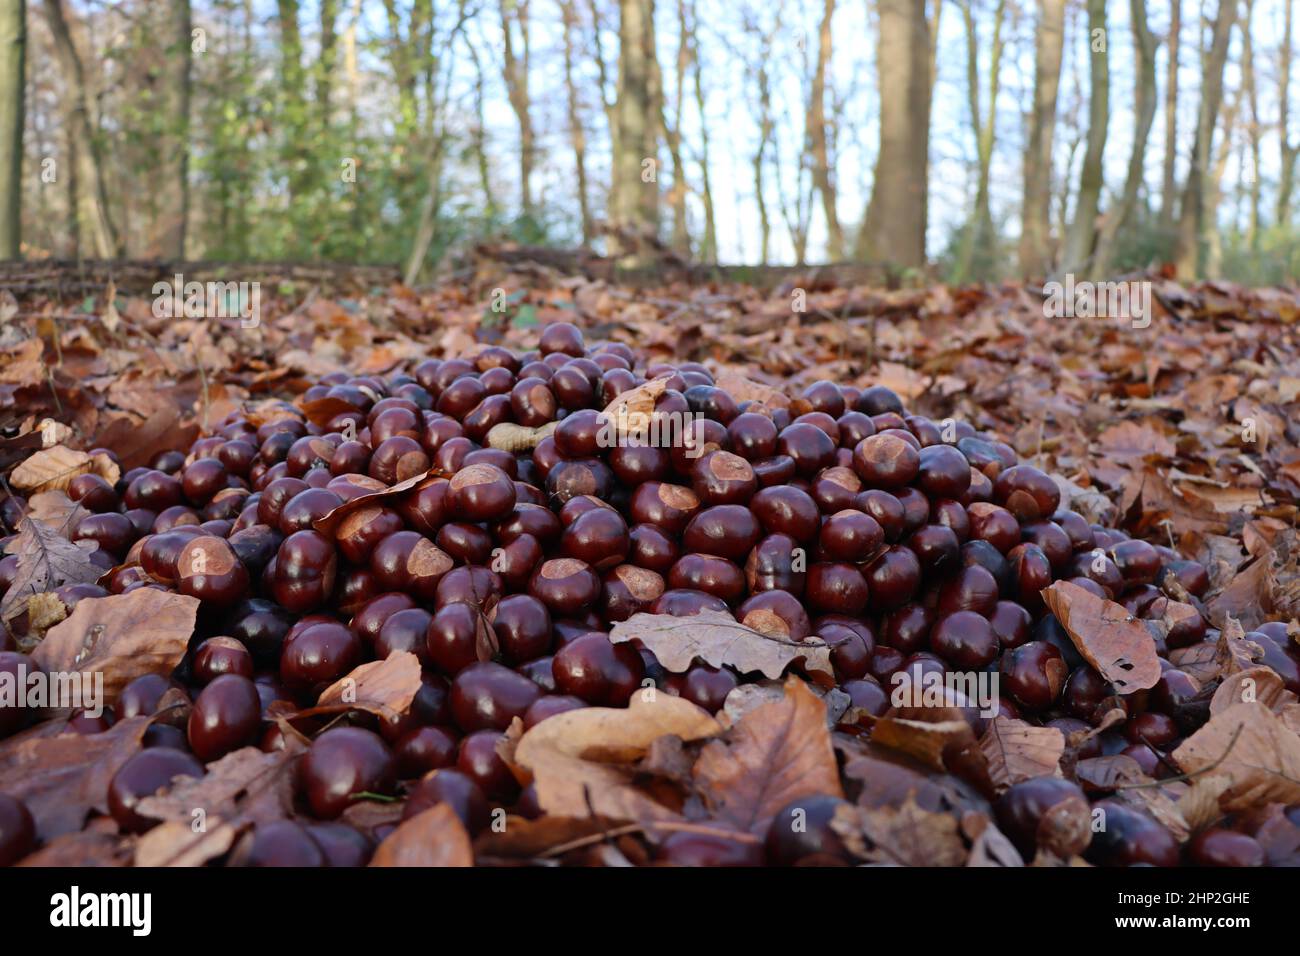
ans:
x=969 y=139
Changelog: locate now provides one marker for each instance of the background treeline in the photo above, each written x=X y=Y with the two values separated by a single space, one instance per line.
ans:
x=981 y=139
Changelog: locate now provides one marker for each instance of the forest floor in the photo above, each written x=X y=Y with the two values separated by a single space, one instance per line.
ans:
x=1186 y=432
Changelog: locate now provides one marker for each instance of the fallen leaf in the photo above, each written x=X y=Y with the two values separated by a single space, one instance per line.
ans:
x=929 y=741
x=384 y=688
x=776 y=753
x=906 y=835
x=62 y=775
x=1256 y=684
x=435 y=837
x=717 y=639
x=1250 y=746
x=1019 y=751
x=121 y=637
x=1109 y=638
x=583 y=761
x=46 y=560
x=52 y=469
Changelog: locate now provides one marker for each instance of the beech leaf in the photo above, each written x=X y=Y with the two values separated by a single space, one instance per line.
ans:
x=776 y=753
x=717 y=639
x=435 y=837
x=122 y=636
x=1117 y=644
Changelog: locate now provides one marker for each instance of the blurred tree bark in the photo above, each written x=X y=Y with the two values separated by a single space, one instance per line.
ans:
x=174 y=199
x=1082 y=234
x=893 y=228
x=1036 y=229
x=1193 y=220
x=516 y=67
x=634 y=187
x=979 y=240
x=577 y=133
x=13 y=79
x=1169 y=182
x=709 y=244
x=99 y=238
x=822 y=169
x=1287 y=149
x=1144 y=108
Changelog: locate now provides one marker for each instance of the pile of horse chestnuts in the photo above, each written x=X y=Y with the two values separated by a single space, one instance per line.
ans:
x=904 y=543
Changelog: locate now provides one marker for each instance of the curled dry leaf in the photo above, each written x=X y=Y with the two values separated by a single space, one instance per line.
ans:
x=743 y=389
x=989 y=846
x=931 y=742
x=718 y=639
x=1109 y=638
x=1019 y=751
x=1199 y=661
x=776 y=753
x=1200 y=804
x=745 y=697
x=1247 y=686
x=906 y=835
x=630 y=412
x=57 y=510
x=1122 y=774
x=435 y=837
x=244 y=788
x=46 y=560
x=122 y=637
x=583 y=762
x=52 y=469
x=1234 y=652
x=384 y=688
x=135 y=444
x=1253 y=748
x=62 y=775
x=364 y=506
x=1248 y=596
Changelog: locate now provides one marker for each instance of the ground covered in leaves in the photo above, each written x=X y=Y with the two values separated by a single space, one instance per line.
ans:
x=1184 y=433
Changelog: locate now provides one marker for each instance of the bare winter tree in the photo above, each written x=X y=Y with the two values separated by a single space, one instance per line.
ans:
x=979 y=238
x=13 y=49
x=516 y=67
x=1288 y=149
x=1144 y=107
x=634 y=188
x=893 y=229
x=173 y=177
x=1193 y=219
x=823 y=172
x=1035 y=254
x=94 y=222
x=1169 y=181
x=1082 y=233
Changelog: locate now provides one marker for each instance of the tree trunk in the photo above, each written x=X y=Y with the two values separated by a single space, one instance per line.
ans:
x=893 y=229
x=1287 y=149
x=681 y=238
x=577 y=134
x=1083 y=230
x=326 y=63
x=173 y=176
x=634 y=190
x=979 y=230
x=822 y=174
x=1192 y=219
x=709 y=245
x=1144 y=43
x=100 y=238
x=1252 y=125
x=1169 y=184
x=294 y=101
x=1035 y=255
x=13 y=81
x=516 y=66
